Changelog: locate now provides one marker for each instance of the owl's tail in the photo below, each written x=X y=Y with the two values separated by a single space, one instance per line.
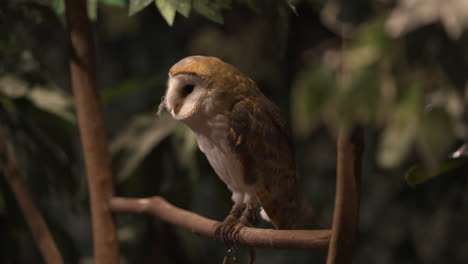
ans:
x=298 y=217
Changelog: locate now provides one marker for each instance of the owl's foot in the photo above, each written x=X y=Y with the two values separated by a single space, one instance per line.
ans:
x=241 y=215
x=249 y=218
x=224 y=229
x=226 y=233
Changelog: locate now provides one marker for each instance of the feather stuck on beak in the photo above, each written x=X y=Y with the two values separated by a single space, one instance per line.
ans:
x=162 y=106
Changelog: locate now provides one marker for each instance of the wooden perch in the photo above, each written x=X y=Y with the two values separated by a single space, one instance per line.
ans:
x=338 y=241
x=255 y=237
x=33 y=216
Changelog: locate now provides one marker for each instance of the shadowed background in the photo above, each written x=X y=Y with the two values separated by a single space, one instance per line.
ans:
x=399 y=68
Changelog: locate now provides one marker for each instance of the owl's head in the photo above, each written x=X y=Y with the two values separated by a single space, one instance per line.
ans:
x=199 y=83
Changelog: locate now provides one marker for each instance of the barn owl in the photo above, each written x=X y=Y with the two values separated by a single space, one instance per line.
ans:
x=244 y=138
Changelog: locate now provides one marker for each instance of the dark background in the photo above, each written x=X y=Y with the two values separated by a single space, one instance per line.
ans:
x=398 y=70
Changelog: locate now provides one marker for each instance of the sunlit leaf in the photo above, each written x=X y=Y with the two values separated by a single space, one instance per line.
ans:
x=127 y=234
x=311 y=91
x=401 y=129
x=119 y=3
x=360 y=103
x=436 y=135
x=413 y=14
x=92 y=6
x=52 y=101
x=167 y=8
x=461 y=151
x=292 y=7
x=13 y=87
x=362 y=56
x=183 y=7
x=136 y=6
x=211 y=9
x=142 y=134
x=419 y=174
x=92 y=9
x=58 y=6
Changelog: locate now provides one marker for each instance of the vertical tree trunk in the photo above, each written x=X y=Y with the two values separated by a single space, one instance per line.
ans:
x=346 y=212
x=92 y=131
x=33 y=216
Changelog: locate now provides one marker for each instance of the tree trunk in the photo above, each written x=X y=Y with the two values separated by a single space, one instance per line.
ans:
x=346 y=212
x=95 y=148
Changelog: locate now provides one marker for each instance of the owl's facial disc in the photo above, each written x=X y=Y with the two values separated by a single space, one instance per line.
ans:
x=183 y=95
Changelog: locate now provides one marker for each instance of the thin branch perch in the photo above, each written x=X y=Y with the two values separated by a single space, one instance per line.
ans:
x=33 y=216
x=255 y=237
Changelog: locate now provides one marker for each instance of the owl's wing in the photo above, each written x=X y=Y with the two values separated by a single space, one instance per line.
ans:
x=262 y=142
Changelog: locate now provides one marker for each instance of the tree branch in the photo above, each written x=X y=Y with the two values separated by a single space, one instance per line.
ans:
x=93 y=136
x=254 y=237
x=346 y=212
x=34 y=219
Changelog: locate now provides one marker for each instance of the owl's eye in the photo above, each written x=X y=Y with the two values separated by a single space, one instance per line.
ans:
x=187 y=89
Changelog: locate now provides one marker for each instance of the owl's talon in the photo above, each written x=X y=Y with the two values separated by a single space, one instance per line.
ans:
x=228 y=233
x=235 y=233
x=222 y=232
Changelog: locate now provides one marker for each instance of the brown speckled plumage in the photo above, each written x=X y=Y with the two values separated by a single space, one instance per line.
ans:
x=255 y=134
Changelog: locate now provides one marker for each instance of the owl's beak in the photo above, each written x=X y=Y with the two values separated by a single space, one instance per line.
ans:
x=176 y=109
x=165 y=106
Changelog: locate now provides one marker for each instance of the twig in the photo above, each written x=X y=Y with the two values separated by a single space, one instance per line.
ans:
x=93 y=136
x=346 y=212
x=255 y=237
x=33 y=216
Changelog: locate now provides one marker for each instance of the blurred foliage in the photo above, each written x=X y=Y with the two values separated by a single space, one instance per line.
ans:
x=377 y=79
x=211 y=9
x=41 y=126
x=419 y=174
x=396 y=67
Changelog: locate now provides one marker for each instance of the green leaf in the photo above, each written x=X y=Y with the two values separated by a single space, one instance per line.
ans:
x=58 y=6
x=401 y=129
x=53 y=101
x=419 y=174
x=436 y=135
x=311 y=91
x=292 y=7
x=13 y=87
x=183 y=7
x=167 y=8
x=93 y=6
x=211 y=9
x=119 y=3
x=92 y=9
x=137 y=5
x=7 y=103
